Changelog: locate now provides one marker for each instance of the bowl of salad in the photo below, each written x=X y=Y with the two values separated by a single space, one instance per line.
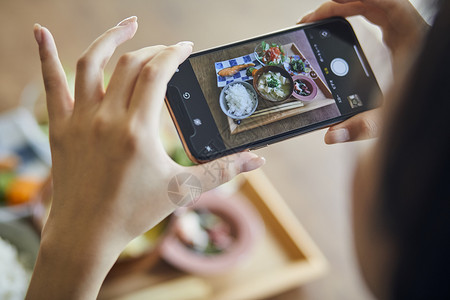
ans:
x=213 y=235
x=270 y=54
x=273 y=83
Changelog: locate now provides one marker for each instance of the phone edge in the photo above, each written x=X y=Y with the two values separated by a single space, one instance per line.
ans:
x=260 y=145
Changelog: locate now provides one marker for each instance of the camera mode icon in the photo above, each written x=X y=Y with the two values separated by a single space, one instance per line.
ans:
x=186 y=95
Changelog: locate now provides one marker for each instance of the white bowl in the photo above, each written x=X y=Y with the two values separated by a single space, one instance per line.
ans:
x=224 y=106
x=22 y=236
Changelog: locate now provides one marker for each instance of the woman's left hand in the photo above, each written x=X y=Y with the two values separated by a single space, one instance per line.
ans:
x=110 y=170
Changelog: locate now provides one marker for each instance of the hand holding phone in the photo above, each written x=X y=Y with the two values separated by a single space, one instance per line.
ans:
x=256 y=92
x=403 y=28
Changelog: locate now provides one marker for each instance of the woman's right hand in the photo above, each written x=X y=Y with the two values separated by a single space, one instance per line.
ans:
x=402 y=26
x=403 y=31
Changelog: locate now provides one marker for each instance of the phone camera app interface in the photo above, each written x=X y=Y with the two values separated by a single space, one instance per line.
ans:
x=273 y=85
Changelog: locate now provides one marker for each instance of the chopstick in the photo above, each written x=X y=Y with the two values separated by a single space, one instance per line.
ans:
x=278 y=108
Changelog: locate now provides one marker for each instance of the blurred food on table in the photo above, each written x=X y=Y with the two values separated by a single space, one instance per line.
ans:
x=14 y=277
x=204 y=232
x=24 y=157
x=19 y=245
x=214 y=235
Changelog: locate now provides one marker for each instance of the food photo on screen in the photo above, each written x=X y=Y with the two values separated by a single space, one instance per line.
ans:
x=253 y=93
x=264 y=87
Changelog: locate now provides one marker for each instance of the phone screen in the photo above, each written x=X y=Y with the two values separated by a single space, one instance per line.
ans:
x=253 y=93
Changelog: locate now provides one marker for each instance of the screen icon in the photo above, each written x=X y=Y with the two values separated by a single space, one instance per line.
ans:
x=186 y=95
x=197 y=122
x=355 y=101
x=208 y=149
x=339 y=67
x=324 y=34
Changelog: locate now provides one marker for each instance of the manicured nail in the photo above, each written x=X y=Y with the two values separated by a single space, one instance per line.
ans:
x=253 y=164
x=37 y=32
x=305 y=18
x=186 y=43
x=337 y=136
x=127 y=21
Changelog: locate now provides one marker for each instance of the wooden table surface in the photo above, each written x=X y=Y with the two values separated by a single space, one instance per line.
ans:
x=313 y=178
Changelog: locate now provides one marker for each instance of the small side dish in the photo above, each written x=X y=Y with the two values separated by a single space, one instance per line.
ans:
x=304 y=88
x=301 y=88
x=297 y=65
x=213 y=235
x=205 y=232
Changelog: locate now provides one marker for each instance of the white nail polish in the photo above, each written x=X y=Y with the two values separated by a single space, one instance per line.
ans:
x=127 y=21
x=38 y=32
x=338 y=136
x=189 y=43
x=253 y=164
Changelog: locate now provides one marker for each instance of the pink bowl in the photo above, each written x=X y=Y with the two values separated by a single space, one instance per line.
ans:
x=309 y=83
x=244 y=220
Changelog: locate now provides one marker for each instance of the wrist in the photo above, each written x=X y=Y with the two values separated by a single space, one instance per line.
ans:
x=71 y=267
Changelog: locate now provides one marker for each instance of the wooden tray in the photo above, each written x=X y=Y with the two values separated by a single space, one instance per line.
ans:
x=285 y=258
x=292 y=49
x=273 y=112
x=277 y=115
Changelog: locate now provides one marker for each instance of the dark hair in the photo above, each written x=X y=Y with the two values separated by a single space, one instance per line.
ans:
x=414 y=188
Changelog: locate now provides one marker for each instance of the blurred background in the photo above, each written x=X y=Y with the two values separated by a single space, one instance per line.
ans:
x=313 y=178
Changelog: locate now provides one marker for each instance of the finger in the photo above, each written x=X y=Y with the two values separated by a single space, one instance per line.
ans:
x=305 y=18
x=363 y=126
x=89 y=76
x=123 y=79
x=347 y=9
x=59 y=101
x=222 y=170
x=151 y=85
x=384 y=13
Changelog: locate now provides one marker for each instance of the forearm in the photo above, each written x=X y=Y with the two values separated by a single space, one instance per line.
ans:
x=70 y=269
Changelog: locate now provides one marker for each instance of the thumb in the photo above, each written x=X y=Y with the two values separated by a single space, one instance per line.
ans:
x=360 y=127
x=222 y=170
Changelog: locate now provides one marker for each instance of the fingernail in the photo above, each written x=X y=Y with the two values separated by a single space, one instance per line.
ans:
x=305 y=18
x=186 y=43
x=37 y=29
x=253 y=164
x=337 y=136
x=127 y=21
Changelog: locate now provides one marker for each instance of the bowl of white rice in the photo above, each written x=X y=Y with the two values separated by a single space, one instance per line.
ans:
x=19 y=245
x=238 y=100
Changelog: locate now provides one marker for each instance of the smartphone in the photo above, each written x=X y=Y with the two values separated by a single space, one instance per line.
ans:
x=252 y=93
